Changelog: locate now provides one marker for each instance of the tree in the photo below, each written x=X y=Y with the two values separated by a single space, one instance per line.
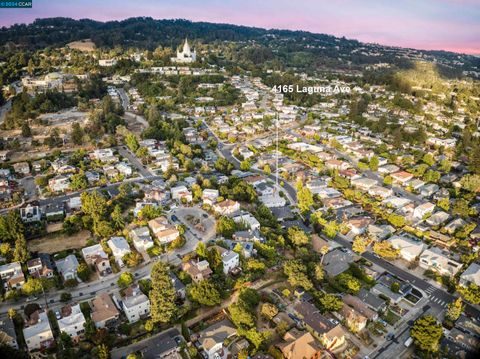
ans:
x=373 y=164
x=78 y=181
x=65 y=297
x=269 y=310
x=396 y=220
x=84 y=272
x=125 y=280
x=471 y=182
x=241 y=315
x=444 y=203
x=245 y=165
x=348 y=282
x=360 y=245
x=32 y=286
x=296 y=271
x=454 y=309
x=103 y=352
x=428 y=159
x=395 y=287
x=204 y=293
x=304 y=198
x=386 y=250
x=117 y=217
x=20 y=254
x=461 y=208
x=470 y=293
x=327 y=302
x=297 y=237
x=162 y=295
x=12 y=313
x=77 y=134
x=331 y=229
x=426 y=333
x=26 y=131
x=319 y=272
x=132 y=142
x=201 y=250
x=226 y=227
x=132 y=259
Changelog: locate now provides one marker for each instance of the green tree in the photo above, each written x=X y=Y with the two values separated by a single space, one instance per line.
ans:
x=226 y=227
x=360 y=245
x=245 y=165
x=386 y=250
x=78 y=181
x=103 y=352
x=204 y=293
x=132 y=142
x=132 y=259
x=304 y=198
x=20 y=253
x=125 y=280
x=117 y=217
x=162 y=295
x=373 y=164
x=296 y=271
x=319 y=272
x=348 y=282
x=269 y=310
x=327 y=302
x=426 y=333
x=444 y=203
x=455 y=308
x=241 y=315
x=84 y=272
x=297 y=237
x=77 y=134
x=396 y=220
x=428 y=159
x=32 y=286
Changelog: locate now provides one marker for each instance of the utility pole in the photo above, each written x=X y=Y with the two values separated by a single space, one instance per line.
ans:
x=276 y=154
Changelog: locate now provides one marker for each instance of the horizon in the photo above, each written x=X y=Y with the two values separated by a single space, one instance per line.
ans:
x=453 y=27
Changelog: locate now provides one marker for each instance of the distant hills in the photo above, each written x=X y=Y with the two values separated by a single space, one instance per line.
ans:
x=297 y=48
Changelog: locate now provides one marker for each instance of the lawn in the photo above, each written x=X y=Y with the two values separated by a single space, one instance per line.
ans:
x=390 y=317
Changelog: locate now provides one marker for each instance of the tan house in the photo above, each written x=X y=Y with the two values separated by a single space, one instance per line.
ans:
x=198 y=270
x=329 y=334
x=226 y=207
x=163 y=230
x=104 y=311
x=401 y=177
x=300 y=345
x=354 y=320
x=360 y=307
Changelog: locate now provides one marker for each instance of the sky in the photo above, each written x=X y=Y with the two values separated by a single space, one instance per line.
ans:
x=452 y=25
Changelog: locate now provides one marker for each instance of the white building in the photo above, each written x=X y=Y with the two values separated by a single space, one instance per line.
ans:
x=141 y=238
x=424 y=209
x=272 y=201
x=38 y=333
x=72 y=321
x=67 y=267
x=226 y=207
x=209 y=196
x=471 y=275
x=181 y=192
x=119 y=247
x=230 y=260
x=409 y=248
x=186 y=55
x=435 y=260
x=247 y=219
x=135 y=304
x=12 y=275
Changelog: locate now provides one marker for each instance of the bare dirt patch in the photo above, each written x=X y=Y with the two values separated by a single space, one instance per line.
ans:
x=59 y=242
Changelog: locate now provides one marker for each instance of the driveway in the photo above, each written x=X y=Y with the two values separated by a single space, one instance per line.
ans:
x=197 y=221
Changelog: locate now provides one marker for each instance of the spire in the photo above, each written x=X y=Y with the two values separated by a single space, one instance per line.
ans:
x=186 y=47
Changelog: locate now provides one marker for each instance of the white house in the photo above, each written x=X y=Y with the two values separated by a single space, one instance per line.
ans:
x=181 y=192
x=30 y=213
x=471 y=275
x=141 y=238
x=230 y=260
x=272 y=201
x=409 y=248
x=209 y=196
x=422 y=210
x=435 y=260
x=248 y=220
x=38 y=333
x=135 y=304
x=226 y=207
x=12 y=275
x=163 y=230
x=72 y=321
x=59 y=184
x=212 y=339
x=119 y=247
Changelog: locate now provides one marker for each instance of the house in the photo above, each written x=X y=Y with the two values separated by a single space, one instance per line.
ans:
x=336 y=203
x=72 y=321
x=387 y=169
x=30 y=213
x=21 y=168
x=360 y=307
x=380 y=232
x=464 y=340
x=401 y=177
x=226 y=207
x=141 y=238
x=364 y=183
x=336 y=262
x=104 y=312
x=371 y=300
x=230 y=260
x=273 y=200
x=178 y=285
x=164 y=345
x=163 y=230
x=12 y=275
x=380 y=192
x=435 y=260
x=198 y=270
x=423 y=210
x=7 y=333
x=353 y=319
x=209 y=196
x=37 y=331
x=135 y=304
x=119 y=247
x=359 y=225
x=59 y=183
x=180 y=193
x=410 y=247
x=41 y=267
x=336 y=165
x=429 y=190
x=299 y=345
x=67 y=267
x=248 y=220
x=247 y=236
x=96 y=256
x=329 y=334
x=471 y=275
x=212 y=339
x=124 y=169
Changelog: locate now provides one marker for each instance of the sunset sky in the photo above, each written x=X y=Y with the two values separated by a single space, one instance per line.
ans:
x=452 y=25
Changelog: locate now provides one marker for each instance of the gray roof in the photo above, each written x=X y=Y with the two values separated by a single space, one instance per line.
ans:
x=371 y=299
x=336 y=262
